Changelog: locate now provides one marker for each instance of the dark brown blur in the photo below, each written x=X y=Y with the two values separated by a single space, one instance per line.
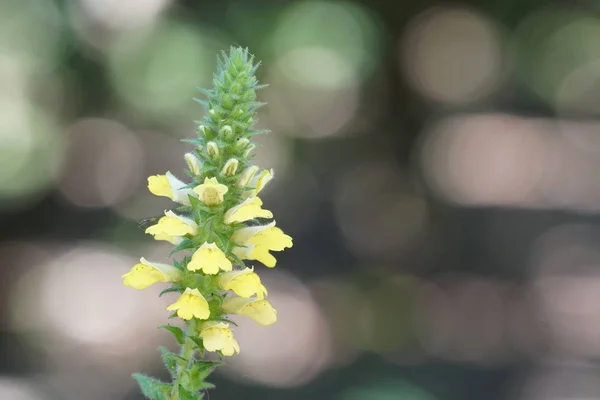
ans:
x=437 y=163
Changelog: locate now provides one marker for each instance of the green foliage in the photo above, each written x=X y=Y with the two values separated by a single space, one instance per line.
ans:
x=174 y=288
x=170 y=362
x=177 y=332
x=153 y=388
x=184 y=394
x=186 y=244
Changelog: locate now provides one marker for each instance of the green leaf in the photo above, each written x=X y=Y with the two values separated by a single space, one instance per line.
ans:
x=196 y=141
x=224 y=320
x=171 y=289
x=174 y=315
x=198 y=342
x=195 y=376
x=195 y=202
x=186 y=244
x=170 y=362
x=203 y=103
x=207 y=365
x=236 y=259
x=152 y=388
x=186 y=395
x=176 y=331
x=206 y=385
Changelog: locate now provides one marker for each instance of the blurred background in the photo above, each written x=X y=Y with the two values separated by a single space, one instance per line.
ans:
x=436 y=164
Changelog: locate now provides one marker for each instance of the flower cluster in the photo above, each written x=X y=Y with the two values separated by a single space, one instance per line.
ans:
x=216 y=225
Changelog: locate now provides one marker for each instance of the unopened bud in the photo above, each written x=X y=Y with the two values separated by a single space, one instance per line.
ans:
x=247 y=175
x=230 y=167
x=193 y=163
x=242 y=143
x=202 y=129
x=212 y=149
x=249 y=150
x=226 y=131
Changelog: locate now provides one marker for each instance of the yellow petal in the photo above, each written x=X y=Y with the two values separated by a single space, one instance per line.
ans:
x=260 y=310
x=159 y=186
x=210 y=259
x=145 y=274
x=169 y=186
x=172 y=226
x=217 y=336
x=268 y=236
x=141 y=276
x=244 y=283
x=262 y=180
x=247 y=210
x=258 y=253
x=191 y=304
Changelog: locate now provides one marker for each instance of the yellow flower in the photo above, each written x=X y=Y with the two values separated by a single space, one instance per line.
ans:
x=244 y=283
x=210 y=259
x=169 y=186
x=216 y=336
x=248 y=209
x=267 y=236
x=191 y=304
x=260 y=310
x=147 y=273
x=258 y=253
x=211 y=191
x=172 y=227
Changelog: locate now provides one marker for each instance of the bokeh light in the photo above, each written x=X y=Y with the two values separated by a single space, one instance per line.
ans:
x=18 y=389
x=398 y=215
x=118 y=15
x=556 y=44
x=104 y=166
x=566 y=261
x=31 y=151
x=31 y=33
x=156 y=70
x=339 y=39
x=309 y=109
x=453 y=55
x=67 y=305
x=387 y=390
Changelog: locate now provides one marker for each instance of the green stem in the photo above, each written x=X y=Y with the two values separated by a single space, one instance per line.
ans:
x=187 y=352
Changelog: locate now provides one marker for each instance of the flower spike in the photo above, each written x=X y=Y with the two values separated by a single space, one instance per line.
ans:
x=212 y=226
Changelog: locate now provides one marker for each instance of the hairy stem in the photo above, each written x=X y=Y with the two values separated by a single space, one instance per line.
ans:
x=187 y=352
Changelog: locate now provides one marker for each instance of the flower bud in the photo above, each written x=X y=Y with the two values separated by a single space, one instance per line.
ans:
x=226 y=131
x=249 y=150
x=193 y=163
x=242 y=143
x=247 y=176
x=212 y=149
x=230 y=167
